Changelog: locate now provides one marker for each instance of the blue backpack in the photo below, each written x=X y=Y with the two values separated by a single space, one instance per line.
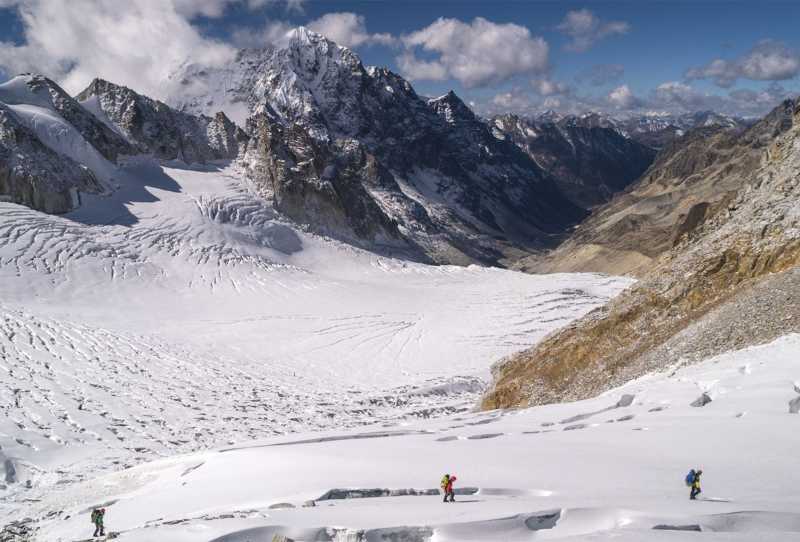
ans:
x=690 y=477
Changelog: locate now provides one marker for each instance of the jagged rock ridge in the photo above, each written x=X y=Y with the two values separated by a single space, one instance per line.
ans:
x=54 y=147
x=154 y=127
x=441 y=185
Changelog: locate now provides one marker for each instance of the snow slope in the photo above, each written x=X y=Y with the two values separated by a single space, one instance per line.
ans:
x=180 y=313
x=609 y=468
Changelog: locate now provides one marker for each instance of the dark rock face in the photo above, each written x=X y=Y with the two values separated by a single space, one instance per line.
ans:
x=225 y=139
x=794 y=406
x=319 y=183
x=32 y=174
x=154 y=127
x=590 y=160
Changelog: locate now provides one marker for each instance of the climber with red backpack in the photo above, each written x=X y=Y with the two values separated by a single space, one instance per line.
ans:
x=447 y=487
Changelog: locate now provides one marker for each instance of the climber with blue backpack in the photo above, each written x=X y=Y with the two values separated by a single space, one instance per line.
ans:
x=693 y=481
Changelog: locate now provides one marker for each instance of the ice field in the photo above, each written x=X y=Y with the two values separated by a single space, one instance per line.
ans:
x=179 y=313
x=610 y=468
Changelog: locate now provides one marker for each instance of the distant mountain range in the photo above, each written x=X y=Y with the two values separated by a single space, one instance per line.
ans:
x=348 y=151
x=590 y=158
x=654 y=129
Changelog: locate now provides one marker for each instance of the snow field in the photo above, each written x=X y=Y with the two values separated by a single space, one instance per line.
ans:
x=619 y=476
x=180 y=314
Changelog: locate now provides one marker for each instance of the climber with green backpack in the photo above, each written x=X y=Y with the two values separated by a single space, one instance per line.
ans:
x=97 y=520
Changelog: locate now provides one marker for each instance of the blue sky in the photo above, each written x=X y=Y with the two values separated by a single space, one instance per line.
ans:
x=738 y=57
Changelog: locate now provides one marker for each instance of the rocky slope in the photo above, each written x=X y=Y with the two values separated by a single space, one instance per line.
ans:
x=729 y=280
x=590 y=159
x=434 y=180
x=53 y=147
x=42 y=129
x=32 y=174
x=39 y=91
x=691 y=180
x=154 y=127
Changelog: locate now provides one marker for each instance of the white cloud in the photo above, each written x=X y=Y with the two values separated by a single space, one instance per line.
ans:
x=622 y=97
x=547 y=87
x=675 y=91
x=669 y=97
x=586 y=29
x=413 y=67
x=476 y=54
x=768 y=61
x=272 y=33
x=512 y=102
x=677 y=96
x=136 y=43
x=298 y=6
x=522 y=102
x=348 y=29
x=206 y=8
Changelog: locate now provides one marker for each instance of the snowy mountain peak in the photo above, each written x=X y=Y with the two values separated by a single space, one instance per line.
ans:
x=29 y=89
x=549 y=116
x=452 y=108
x=312 y=55
x=301 y=38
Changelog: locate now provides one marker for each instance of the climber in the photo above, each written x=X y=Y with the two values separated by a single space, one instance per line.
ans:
x=447 y=487
x=693 y=481
x=97 y=519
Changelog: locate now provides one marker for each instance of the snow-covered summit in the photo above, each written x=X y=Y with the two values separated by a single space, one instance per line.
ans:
x=360 y=152
x=302 y=75
x=452 y=108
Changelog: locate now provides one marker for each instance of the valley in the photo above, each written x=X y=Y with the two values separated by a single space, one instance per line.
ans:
x=279 y=304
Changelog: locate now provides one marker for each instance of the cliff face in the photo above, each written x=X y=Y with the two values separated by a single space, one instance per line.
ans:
x=319 y=183
x=34 y=175
x=729 y=280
